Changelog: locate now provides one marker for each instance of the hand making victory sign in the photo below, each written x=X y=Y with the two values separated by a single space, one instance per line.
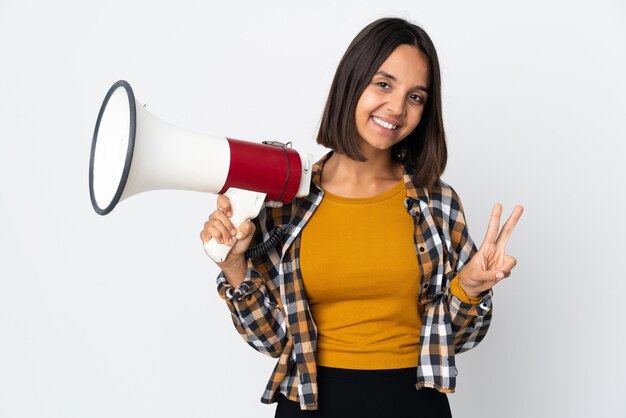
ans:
x=491 y=264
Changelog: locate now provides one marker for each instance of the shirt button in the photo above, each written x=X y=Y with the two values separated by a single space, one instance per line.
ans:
x=425 y=285
x=422 y=249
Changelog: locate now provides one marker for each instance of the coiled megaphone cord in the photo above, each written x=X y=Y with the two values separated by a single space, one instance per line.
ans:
x=263 y=248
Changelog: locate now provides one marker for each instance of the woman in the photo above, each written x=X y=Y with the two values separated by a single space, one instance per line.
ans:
x=376 y=284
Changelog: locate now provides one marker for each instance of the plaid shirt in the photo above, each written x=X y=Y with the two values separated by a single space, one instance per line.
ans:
x=270 y=311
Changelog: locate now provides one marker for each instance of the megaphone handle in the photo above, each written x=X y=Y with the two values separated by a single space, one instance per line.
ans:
x=245 y=204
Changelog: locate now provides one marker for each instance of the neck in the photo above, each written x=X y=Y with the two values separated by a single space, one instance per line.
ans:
x=350 y=178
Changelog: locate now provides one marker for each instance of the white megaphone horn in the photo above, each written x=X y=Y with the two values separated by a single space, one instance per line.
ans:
x=133 y=151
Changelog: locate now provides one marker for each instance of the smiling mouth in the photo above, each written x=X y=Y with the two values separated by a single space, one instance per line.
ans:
x=384 y=124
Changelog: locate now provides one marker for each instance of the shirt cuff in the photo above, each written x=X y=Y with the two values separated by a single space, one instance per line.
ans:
x=463 y=304
x=458 y=291
x=245 y=289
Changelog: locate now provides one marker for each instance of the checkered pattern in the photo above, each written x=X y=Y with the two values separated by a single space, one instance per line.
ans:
x=270 y=310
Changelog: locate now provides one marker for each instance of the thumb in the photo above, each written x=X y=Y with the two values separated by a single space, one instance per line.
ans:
x=244 y=236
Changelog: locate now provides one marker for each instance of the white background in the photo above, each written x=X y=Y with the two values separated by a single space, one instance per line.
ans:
x=118 y=315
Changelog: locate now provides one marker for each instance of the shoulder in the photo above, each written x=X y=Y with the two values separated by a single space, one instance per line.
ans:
x=444 y=197
x=450 y=216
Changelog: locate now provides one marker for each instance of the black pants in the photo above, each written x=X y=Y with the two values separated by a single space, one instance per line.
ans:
x=347 y=393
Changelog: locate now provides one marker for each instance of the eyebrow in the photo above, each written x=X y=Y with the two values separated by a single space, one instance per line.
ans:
x=391 y=77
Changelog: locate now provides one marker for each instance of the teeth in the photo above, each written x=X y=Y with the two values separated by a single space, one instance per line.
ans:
x=383 y=123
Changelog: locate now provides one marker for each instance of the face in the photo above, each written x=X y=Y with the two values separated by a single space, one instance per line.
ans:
x=391 y=106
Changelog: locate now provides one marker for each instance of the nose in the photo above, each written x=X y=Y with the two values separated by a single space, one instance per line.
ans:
x=396 y=104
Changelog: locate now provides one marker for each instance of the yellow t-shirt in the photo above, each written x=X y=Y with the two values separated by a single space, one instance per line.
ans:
x=362 y=278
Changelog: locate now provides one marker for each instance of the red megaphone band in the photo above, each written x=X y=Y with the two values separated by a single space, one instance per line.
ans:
x=271 y=169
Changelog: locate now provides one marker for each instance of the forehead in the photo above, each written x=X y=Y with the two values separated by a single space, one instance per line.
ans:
x=407 y=64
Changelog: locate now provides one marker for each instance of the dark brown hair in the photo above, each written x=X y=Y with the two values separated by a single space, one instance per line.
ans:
x=424 y=149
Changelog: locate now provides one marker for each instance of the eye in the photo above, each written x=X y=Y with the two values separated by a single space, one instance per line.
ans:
x=417 y=98
x=383 y=85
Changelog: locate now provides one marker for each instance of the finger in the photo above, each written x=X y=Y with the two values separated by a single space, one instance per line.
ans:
x=246 y=229
x=494 y=224
x=507 y=266
x=243 y=238
x=205 y=236
x=508 y=227
x=218 y=232
x=486 y=276
x=220 y=227
x=221 y=215
x=212 y=229
x=223 y=204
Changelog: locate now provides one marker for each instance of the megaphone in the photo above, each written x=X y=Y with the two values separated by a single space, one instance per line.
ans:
x=133 y=151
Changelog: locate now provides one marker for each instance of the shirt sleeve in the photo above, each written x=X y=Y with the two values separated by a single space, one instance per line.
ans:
x=470 y=318
x=256 y=315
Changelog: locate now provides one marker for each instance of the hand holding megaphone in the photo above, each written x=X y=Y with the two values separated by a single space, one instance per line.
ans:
x=133 y=151
x=246 y=205
x=219 y=228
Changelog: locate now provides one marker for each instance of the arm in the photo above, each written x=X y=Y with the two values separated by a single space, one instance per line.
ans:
x=478 y=271
x=470 y=321
x=249 y=296
x=470 y=314
x=254 y=312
